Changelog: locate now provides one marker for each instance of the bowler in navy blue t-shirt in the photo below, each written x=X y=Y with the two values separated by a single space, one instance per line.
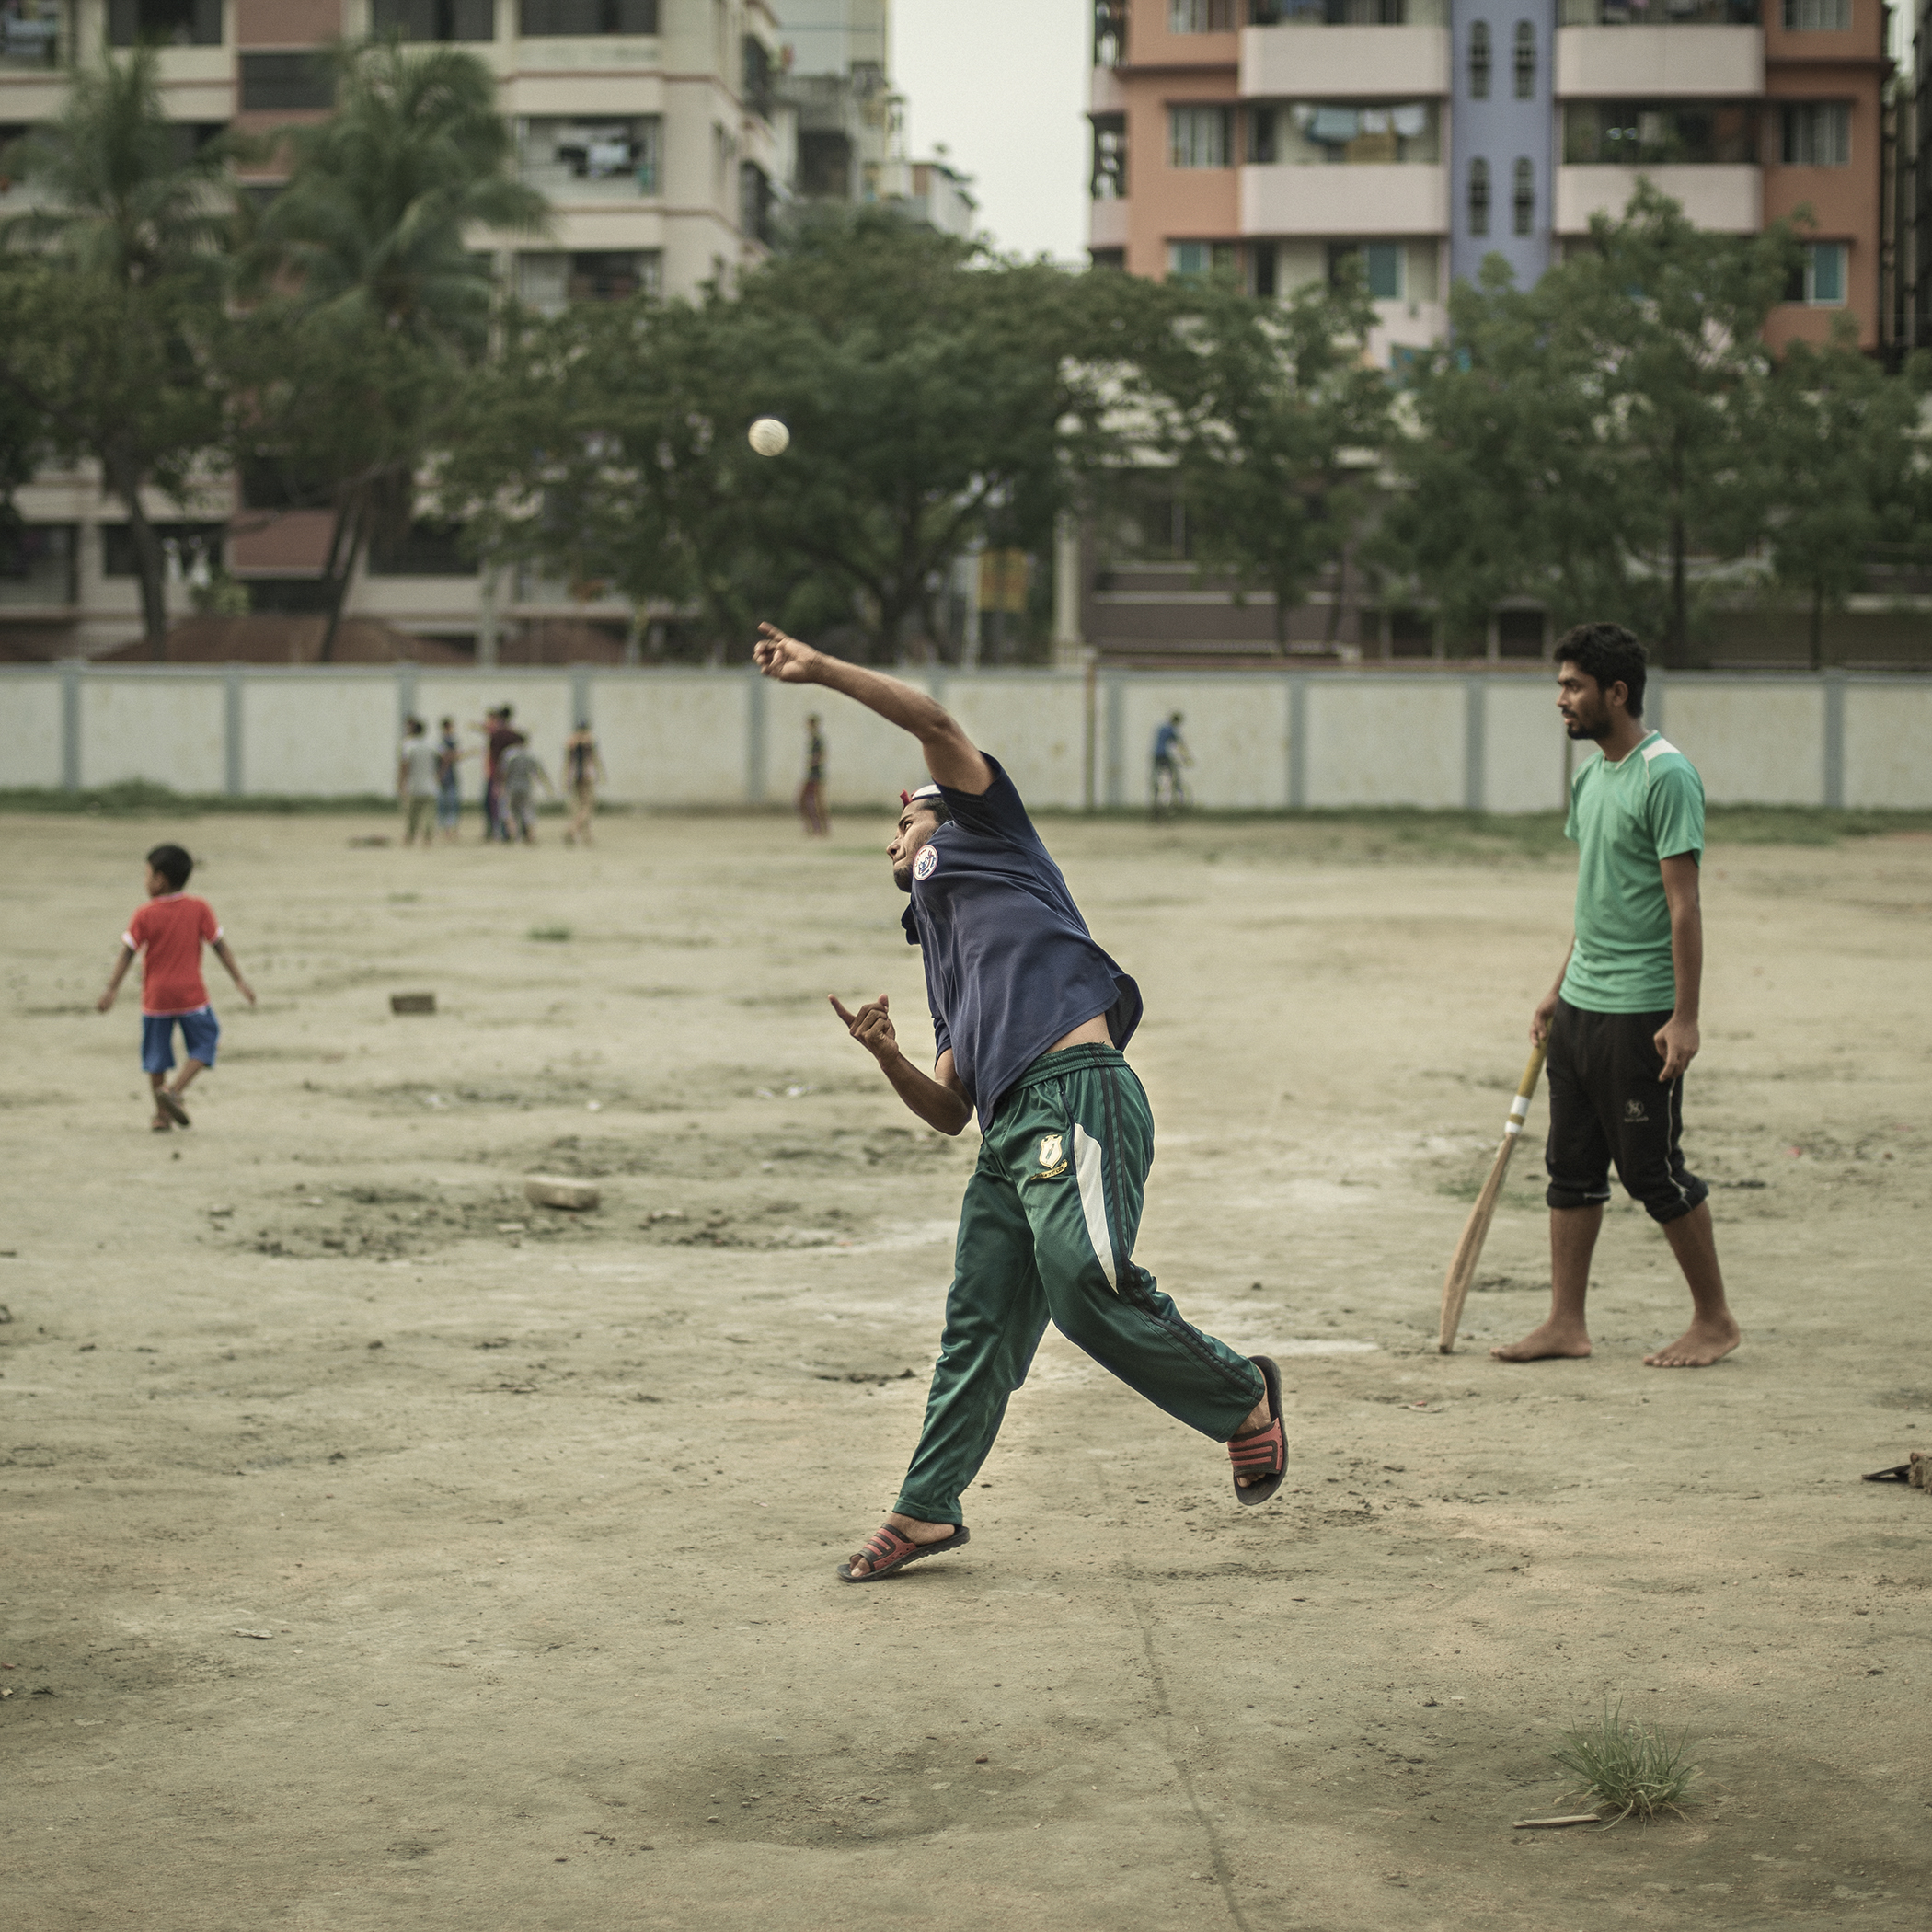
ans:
x=1030 y=1017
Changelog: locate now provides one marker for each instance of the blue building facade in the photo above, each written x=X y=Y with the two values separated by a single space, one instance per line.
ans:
x=1502 y=143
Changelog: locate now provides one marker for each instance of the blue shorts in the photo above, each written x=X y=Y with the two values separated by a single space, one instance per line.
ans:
x=200 y=1031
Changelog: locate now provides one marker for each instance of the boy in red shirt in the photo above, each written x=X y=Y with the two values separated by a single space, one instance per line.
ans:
x=171 y=926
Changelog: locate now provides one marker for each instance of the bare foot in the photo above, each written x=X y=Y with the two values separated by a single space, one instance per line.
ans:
x=1705 y=1342
x=161 y=1124
x=913 y=1530
x=1550 y=1342
x=1257 y=1420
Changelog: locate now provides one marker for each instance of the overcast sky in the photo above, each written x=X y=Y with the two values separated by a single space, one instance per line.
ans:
x=1003 y=84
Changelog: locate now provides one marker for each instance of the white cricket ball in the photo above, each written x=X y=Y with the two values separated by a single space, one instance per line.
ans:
x=769 y=437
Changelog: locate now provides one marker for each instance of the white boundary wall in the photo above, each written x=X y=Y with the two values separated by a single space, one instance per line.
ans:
x=1261 y=740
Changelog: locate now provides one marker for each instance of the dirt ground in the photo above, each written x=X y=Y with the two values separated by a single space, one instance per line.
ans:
x=381 y=1551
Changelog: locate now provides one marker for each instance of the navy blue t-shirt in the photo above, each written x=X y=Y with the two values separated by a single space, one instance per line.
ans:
x=1010 y=966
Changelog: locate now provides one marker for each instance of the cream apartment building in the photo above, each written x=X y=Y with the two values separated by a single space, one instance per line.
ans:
x=649 y=124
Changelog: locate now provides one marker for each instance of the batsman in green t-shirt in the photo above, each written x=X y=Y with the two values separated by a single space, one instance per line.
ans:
x=1621 y=1022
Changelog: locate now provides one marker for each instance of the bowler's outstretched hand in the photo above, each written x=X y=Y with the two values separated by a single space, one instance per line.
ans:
x=871 y=1026
x=784 y=658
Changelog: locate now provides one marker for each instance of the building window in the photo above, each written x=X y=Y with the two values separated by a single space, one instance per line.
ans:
x=1651 y=13
x=1525 y=61
x=275 y=83
x=578 y=160
x=758 y=76
x=424 y=549
x=1303 y=133
x=1108 y=259
x=38 y=564
x=1199 y=257
x=1643 y=133
x=824 y=165
x=1479 y=60
x=755 y=202
x=1379 y=265
x=1819 y=282
x=1478 y=197
x=184 y=545
x=547 y=283
x=1200 y=137
x=1525 y=208
x=159 y=23
x=1817 y=133
x=559 y=19
x=1109 y=179
x=31 y=35
x=1263 y=270
x=1201 y=16
x=1817 y=15
x=1341 y=13
x=436 y=19
x=1110 y=32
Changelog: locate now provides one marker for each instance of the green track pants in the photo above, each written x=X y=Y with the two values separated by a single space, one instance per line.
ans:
x=1046 y=1232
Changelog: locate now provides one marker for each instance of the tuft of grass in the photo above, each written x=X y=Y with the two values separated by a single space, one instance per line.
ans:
x=548 y=932
x=1625 y=1767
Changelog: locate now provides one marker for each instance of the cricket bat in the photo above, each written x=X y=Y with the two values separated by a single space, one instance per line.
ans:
x=1468 y=1250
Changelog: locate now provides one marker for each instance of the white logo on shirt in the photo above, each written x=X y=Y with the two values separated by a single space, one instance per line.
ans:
x=927 y=863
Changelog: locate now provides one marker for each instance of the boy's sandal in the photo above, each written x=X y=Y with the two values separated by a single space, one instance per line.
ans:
x=1265 y=1453
x=160 y=1127
x=886 y=1551
x=172 y=1108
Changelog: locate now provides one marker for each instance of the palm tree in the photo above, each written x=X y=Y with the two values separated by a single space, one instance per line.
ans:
x=382 y=306
x=111 y=288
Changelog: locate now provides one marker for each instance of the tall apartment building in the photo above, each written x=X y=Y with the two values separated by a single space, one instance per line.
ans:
x=649 y=124
x=1418 y=136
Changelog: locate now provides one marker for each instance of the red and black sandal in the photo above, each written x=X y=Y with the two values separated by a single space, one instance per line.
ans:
x=1265 y=1453
x=886 y=1551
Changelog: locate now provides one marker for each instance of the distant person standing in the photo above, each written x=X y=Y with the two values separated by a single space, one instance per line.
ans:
x=519 y=773
x=1168 y=789
x=417 y=782
x=171 y=929
x=499 y=735
x=583 y=772
x=811 y=794
x=450 y=755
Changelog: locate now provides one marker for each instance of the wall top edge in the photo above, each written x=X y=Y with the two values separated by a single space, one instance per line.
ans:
x=952 y=673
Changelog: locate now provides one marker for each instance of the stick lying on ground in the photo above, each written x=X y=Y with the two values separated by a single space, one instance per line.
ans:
x=1468 y=1250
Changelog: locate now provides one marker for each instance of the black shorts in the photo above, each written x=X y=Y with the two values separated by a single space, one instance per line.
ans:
x=1605 y=1105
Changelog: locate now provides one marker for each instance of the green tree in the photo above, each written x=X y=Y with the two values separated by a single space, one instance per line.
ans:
x=111 y=296
x=1275 y=421
x=1498 y=468
x=1583 y=440
x=1847 y=478
x=373 y=310
x=937 y=397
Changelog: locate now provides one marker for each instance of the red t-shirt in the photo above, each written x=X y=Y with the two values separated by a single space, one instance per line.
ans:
x=172 y=928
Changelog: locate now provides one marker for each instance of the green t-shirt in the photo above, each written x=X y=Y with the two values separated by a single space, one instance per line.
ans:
x=1626 y=818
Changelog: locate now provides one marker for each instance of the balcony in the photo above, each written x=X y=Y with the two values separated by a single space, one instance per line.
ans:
x=1268 y=14
x=1344 y=61
x=1658 y=12
x=1692 y=59
x=1107 y=224
x=589 y=160
x=1399 y=199
x=1724 y=199
x=33 y=37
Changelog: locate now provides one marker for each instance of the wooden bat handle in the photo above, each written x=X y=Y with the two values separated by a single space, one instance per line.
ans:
x=1525 y=1090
